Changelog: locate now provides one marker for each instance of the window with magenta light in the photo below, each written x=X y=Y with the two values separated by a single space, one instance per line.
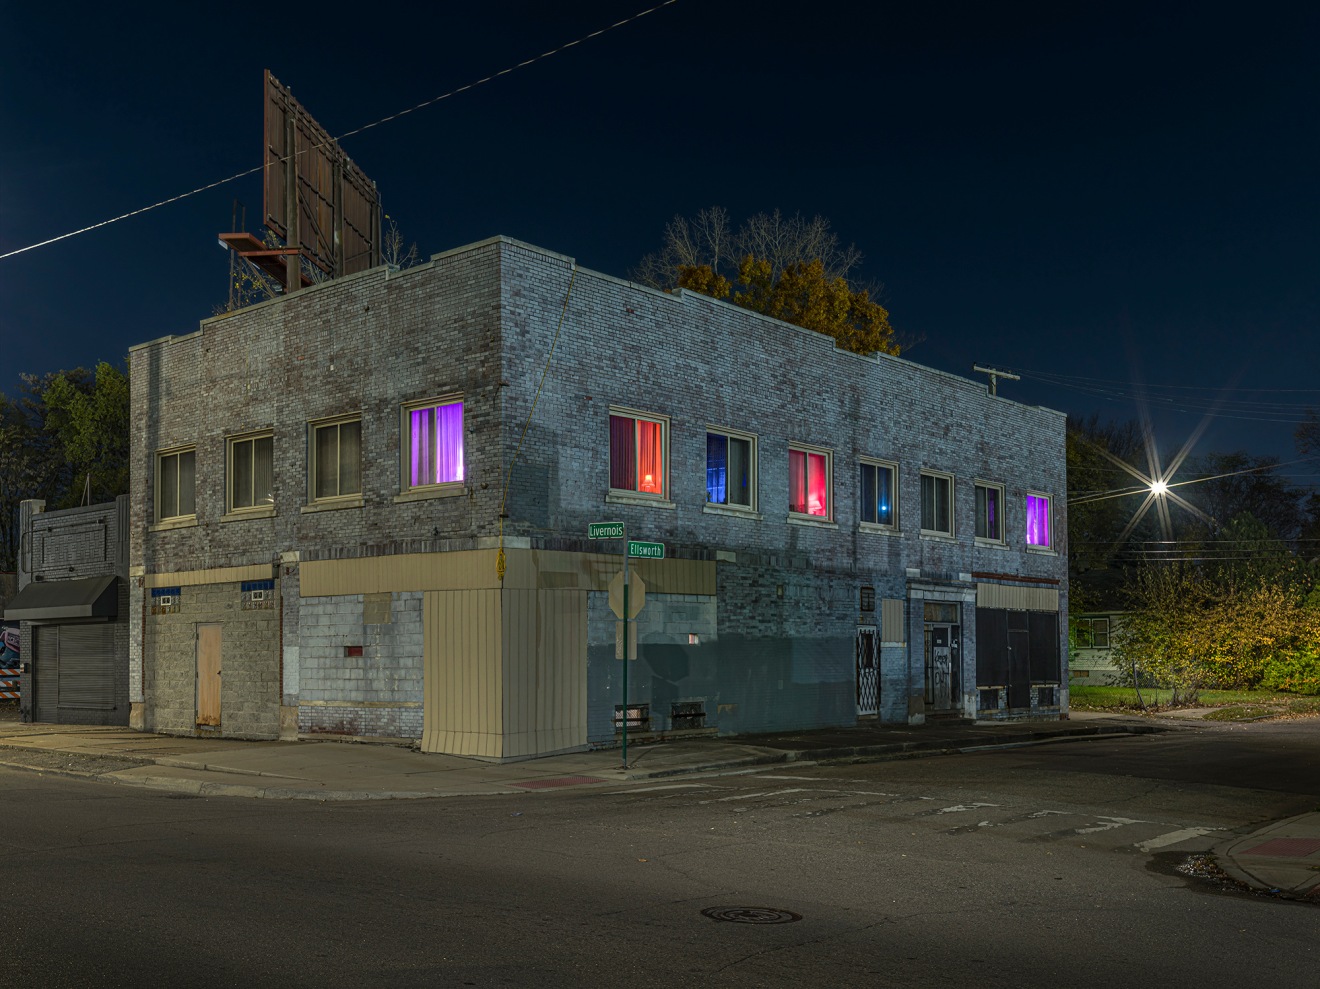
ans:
x=809 y=482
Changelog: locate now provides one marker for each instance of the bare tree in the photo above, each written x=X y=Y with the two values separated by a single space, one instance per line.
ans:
x=784 y=240
x=705 y=239
x=708 y=239
x=392 y=252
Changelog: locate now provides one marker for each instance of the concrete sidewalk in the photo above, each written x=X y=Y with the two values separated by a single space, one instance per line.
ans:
x=1282 y=858
x=335 y=770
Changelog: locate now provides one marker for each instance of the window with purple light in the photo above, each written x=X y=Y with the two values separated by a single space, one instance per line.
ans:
x=1038 y=521
x=434 y=443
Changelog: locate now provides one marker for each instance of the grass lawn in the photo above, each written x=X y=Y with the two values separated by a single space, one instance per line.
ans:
x=1231 y=705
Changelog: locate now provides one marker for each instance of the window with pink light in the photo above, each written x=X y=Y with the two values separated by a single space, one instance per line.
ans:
x=809 y=482
x=1038 y=521
x=433 y=443
x=638 y=455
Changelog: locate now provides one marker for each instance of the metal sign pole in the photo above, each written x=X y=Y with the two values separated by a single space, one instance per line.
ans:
x=625 y=647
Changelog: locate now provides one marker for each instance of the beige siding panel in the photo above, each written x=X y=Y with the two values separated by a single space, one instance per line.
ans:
x=219 y=575
x=1017 y=597
x=893 y=627
x=461 y=655
x=399 y=573
x=526 y=569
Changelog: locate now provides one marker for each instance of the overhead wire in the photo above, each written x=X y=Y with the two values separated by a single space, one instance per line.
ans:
x=357 y=130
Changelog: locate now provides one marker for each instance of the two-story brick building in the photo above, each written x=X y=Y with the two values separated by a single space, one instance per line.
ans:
x=363 y=509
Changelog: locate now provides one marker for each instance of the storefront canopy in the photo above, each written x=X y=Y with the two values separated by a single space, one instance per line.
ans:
x=54 y=600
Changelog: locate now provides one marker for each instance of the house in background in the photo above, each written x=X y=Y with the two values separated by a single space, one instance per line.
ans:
x=72 y=613
x=362 y=509
x=1091 y=657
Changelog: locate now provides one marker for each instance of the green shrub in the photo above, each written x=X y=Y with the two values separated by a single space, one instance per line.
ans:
x=1297 y=672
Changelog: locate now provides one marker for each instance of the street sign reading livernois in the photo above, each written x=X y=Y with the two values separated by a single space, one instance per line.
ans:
x=646 y=551
x=605 y=530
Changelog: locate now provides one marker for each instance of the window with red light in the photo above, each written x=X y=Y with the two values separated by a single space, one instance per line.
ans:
x=809 y=482
x=639 y=455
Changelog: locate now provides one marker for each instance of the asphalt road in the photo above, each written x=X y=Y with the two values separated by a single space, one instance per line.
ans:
x=1050 y=866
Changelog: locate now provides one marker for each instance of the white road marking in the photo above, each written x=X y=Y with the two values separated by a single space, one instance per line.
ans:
x=1109 y=823
x=752 y=796
x=961 y=807
x=670 y=786
x=767 y=776
x=1047 y=813
x=1173 y=837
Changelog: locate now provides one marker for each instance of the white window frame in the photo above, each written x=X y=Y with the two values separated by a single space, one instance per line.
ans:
x=1001 y=539
x=752 y=478
x=632 y=495
x=313 y=427
x=892 y=467
x=175 y=518
x=1049 y=501
x=407 y=490
x=949 y=479
x=264 y=508
x=828 y=517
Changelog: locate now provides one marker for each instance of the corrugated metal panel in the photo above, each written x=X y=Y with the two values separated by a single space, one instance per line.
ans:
x=893 y=627
x=218 y=575
x=560 y=691
x=462 y=685
x=1017 y=597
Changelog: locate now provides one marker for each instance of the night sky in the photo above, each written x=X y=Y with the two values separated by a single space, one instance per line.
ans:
x=1089 y=193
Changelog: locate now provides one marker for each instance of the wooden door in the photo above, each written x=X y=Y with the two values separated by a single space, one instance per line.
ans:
x=208 y=675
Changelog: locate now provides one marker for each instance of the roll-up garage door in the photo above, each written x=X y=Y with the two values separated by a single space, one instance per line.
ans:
x=75 y=674
x=87 y=672
x=47 y=679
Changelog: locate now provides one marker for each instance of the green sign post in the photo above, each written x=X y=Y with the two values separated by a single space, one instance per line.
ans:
x=617 y=530
x=647 y=551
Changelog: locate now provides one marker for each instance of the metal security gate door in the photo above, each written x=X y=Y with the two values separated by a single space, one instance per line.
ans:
x=941 y=672
x=86 y=673
x=868 y=670
x=208 y=676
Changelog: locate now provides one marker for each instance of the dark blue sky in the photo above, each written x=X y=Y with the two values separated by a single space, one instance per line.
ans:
x=1084 y=191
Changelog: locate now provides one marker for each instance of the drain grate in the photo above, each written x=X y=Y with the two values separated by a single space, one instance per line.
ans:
x=751 y=915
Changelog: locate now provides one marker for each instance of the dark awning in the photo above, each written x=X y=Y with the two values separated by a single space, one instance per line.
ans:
x=44 y=600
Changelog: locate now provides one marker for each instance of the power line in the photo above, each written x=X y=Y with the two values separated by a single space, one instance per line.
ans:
x=357 y=130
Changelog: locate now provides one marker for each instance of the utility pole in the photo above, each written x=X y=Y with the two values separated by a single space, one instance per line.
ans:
x=995 y=375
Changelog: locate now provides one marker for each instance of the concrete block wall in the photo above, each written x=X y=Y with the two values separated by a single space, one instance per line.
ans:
x=377 y=693
x=249 y=660
x=667 y=669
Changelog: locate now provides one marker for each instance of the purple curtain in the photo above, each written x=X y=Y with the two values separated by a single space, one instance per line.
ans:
x=623 y=453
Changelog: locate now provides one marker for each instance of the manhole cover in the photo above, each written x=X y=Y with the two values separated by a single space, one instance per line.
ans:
x=751 y=915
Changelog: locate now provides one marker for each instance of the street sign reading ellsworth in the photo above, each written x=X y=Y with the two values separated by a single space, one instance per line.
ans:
x=605 y=530
x=647 y=551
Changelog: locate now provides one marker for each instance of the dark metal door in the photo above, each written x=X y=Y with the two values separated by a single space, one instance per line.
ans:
x=1019 y=668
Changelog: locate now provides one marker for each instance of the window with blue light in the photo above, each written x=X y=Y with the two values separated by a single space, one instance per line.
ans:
x=730 y=470
x=878 y=494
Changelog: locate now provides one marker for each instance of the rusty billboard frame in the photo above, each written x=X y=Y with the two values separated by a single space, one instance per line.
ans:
x=314 y=197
